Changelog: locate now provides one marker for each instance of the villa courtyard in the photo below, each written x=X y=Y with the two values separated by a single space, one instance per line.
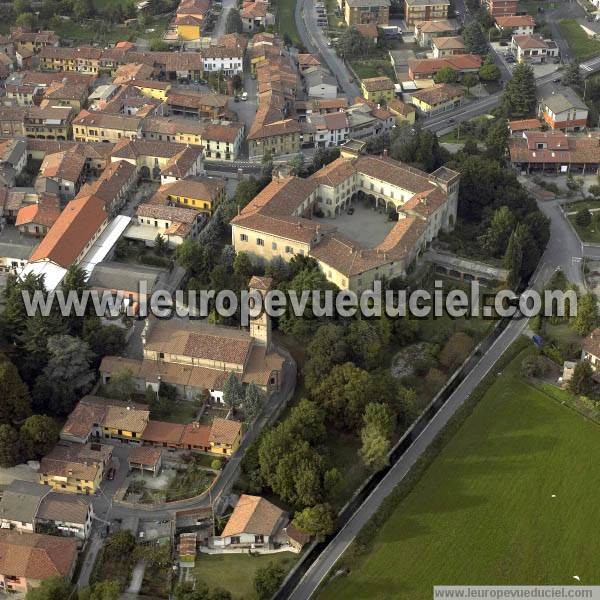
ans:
x=367 y=226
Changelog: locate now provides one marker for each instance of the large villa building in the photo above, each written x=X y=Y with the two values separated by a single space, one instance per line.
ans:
x=281 y=220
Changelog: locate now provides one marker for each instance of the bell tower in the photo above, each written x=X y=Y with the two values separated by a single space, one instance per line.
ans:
x=260 y=326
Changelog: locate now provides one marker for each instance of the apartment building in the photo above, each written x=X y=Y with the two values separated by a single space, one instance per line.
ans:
x=425 y=10
x=105 y=127
x=563 y=110
x=357 y=12
x=502 y=8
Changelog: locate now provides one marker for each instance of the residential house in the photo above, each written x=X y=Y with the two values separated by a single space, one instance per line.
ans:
x=563 y=109
x=402 y=111
x=590 y=349
x=15 y=249
x=32 y=40
x=331 y=129
x=75 y=469
x=533 y=48
x=164 y=161
x=27 y=560
x=95 y=418
x=145 y=460
x=151 y=88
x=197 y=105
x=254 y=14
x=365 y=11
x=446 y=46
x=228 y=60
x=189 y=19
x=520 y=125
x=174 y=224
x=369 y=31
x=502 y=8
x=516 y=24
x=225 y=436
x=65 y=514
x=427 y=68
x=305 y=61
x=437 y=99
x=114 y=186
x=378 y=89
x=20 y=503
x=425 y=10
x=36 y=218
x=133 y=71
x=366 y=120
x=555 y=152
x=66 y=94
x=83 y=59
x=253 y=524
x=105 y=127
x=48 y=122
x=62 y=174
x=221 y=140
x=320 y=83
x=427 y=31
x=13 y=153
x=202 y=194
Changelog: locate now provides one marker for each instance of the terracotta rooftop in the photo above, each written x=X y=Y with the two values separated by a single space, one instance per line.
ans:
x=224 y=431
x=376 y=84
x=72 y=231
x=145 y=455
x=58 y=506
x=36 y=556
x=438 y=94
x=253 y=515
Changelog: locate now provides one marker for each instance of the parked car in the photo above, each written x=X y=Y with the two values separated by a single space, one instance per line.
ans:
x=557 y=80
x=351 y=210
x=111 y=474
x=244 y=96
x=503 y=44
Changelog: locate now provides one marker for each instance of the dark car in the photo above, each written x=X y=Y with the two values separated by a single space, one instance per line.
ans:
x=111 y=474
x=451 y=120
x=351 y=210
x=503 y=44
x=557 y=80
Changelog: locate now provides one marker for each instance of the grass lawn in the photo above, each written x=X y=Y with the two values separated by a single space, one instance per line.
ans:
x=285 y=20
x=483 y=512
x=582 y=46
x=235 y=572
x=373 y=67
x=182 y=411
x=586 y=234
x=575 y=206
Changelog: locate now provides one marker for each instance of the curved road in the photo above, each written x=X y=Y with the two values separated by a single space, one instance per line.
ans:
x=564 y=250
x=313 y=39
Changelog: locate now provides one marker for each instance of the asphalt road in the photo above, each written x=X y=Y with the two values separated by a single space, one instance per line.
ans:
x=564 y=251
x=315 y=41
x=440 y=123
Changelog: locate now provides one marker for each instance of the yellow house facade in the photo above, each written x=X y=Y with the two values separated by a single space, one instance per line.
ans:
x=378 y=89
x=75 y=469
x=225 y=436
x=153 y=89
x=104 y=127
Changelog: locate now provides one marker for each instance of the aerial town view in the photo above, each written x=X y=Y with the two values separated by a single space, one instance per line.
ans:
x=299 y=299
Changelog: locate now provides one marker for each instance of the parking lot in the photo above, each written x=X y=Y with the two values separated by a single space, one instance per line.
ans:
x=508 y=58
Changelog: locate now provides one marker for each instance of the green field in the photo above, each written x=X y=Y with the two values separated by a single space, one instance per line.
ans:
x=373 y=67
x=286 y=24
x=586 y=234
x=484 y=511
x=582 y=46
x=235 y=572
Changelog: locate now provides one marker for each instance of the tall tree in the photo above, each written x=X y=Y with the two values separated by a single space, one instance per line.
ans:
x=513 y=259
x=16 y=403
x=474 y=39
x=38 y=434
x=520 y=95
x=233 y=23
x=374 y=449
x=495 y=239
x=233 y=392
x=253 y=402
x=55 y=588
x=328 y=347
x=446 y=75
x=317 y=521
x=267 y=580
x=9 y=446
x=572 y=76
x=70 y=360
x=496 y=140
x=587 y=314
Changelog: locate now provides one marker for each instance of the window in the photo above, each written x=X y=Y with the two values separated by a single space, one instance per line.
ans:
x=289 y=250
x=273 y=246
x=260 y=242
x=243 y=237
